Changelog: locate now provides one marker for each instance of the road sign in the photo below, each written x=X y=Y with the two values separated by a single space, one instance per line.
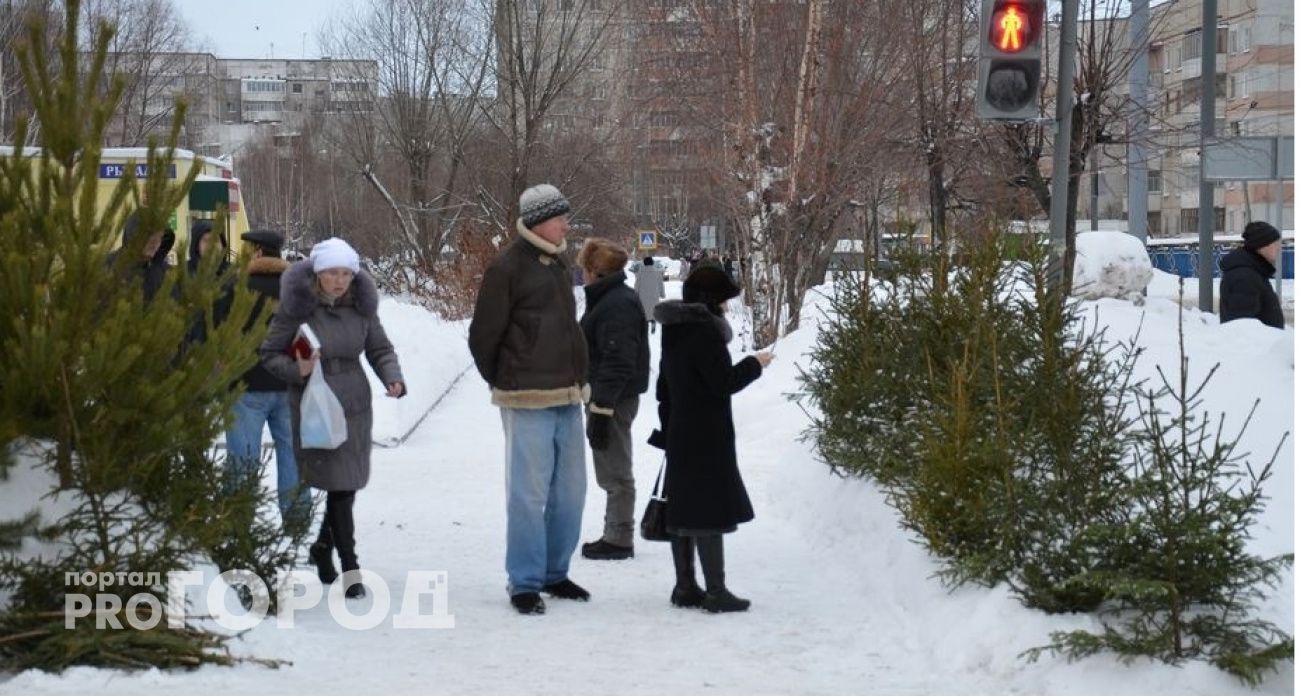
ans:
x=708 y=236
x=1255 y=158
x=647 y=239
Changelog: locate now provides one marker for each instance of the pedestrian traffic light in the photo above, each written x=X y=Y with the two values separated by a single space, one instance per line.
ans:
x=1011 y=59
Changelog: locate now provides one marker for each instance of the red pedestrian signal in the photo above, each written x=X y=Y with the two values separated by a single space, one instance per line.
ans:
x=1013 y=26
x=1010 y=59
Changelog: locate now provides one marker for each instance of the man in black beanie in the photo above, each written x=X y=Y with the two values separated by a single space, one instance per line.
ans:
x=1244 y=290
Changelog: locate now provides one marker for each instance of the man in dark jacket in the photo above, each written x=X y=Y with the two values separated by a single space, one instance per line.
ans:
x=619 y=352
x=528 y=347
x=266 y=399
x=151 y=268
x=1244 y=290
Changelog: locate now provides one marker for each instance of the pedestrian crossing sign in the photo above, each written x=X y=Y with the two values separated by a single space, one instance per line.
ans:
x=647 y=239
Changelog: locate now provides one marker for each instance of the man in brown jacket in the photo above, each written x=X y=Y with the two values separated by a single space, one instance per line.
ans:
x=528 y=347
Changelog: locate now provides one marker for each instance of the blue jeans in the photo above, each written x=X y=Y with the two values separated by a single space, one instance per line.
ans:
x=546 y=488
x=244 y=447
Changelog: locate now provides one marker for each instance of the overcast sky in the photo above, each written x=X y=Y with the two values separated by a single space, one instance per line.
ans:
x=248 y=28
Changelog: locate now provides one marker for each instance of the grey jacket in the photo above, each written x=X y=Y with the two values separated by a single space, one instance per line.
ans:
x=649 y=286
x=346 y=329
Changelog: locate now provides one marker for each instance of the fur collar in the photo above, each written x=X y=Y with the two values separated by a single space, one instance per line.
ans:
x=298 y=292
x=267 y=265
x=677 y=312
x=552 y=249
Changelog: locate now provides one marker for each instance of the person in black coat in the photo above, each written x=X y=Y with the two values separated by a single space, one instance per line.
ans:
x=706 y=497
x=1244 y=290
x=205 y=241
x=151 y=268
x=618 y=350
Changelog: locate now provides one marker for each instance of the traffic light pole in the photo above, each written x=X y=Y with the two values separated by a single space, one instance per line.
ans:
x=1209 y=52
x=1069 y=48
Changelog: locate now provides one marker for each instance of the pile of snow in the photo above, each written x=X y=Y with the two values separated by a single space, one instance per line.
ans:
x=1110 y=264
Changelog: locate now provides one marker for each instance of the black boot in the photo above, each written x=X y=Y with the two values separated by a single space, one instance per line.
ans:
x=687 y=592
x=716 y=596
x=338 y=509
x=322 y=553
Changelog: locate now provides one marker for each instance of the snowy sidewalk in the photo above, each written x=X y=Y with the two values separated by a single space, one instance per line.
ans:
x=843 y=599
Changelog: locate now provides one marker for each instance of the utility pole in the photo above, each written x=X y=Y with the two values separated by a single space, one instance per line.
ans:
x=1139 y=41
x=1061 y=154
x=1209 y=51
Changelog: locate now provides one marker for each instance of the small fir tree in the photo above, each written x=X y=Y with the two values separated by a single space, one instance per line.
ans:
x=1181 y=583
x=100 y=383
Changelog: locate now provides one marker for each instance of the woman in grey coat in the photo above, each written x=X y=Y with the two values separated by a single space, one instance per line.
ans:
x=340 y=303
x=650 y=287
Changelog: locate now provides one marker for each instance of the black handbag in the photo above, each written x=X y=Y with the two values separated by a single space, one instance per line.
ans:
x=654 y=521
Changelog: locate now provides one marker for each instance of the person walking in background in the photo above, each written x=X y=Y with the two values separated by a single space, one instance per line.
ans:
x=265 y=401
x=649 y=287
x=619 y=357
x=1244 y=290
x=706 y=496
x=330 y=293
x=527 y=346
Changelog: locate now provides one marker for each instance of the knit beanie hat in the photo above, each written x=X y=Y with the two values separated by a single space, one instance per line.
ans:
x=541 y=203
x=1260 y=234
x=334 y=253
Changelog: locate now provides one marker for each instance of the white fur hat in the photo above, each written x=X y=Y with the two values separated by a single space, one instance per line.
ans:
x=334 y=253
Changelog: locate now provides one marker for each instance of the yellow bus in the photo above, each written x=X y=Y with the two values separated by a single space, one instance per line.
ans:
x=214 y=185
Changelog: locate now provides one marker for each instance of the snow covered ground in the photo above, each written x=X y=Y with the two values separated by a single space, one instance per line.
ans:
x=843 y=599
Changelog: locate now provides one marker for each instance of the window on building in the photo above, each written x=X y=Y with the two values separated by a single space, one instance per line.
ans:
x=1239 y=38
x=1153 y=222
x=1190 y=218
x=1220 y=86
x=1192 y=45
x=1155 y=181
x=297 y=88
x=663 y=119
x=1221 y=40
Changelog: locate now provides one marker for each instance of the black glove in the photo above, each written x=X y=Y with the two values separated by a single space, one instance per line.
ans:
x=598 y=425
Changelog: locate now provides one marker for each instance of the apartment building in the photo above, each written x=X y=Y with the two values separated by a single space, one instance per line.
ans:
x=230 y=100
x=1254 y=96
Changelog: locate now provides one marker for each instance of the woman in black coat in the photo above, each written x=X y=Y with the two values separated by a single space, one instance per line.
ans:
x=706 y=497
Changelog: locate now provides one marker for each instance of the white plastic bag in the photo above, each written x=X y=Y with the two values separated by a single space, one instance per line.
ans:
x=322 y=424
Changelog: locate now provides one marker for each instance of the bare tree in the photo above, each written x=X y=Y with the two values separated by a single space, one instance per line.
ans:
x=434 y=61
x=15 y=17
x=543 y=48
x=1100 y=110
x=148 y=48
x=802 y=116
